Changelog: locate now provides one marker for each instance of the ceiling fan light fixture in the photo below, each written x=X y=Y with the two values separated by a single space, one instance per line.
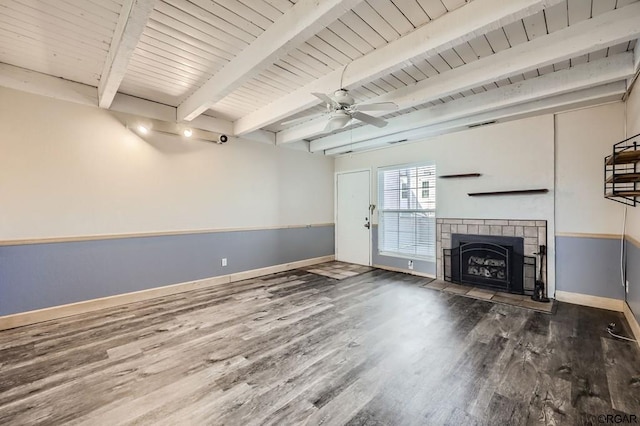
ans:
x=338 y=120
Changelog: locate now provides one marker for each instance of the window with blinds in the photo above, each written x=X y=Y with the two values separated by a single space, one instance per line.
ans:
x=407 y=211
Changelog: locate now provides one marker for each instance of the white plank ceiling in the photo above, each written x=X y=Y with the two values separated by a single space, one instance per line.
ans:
x=185 y=43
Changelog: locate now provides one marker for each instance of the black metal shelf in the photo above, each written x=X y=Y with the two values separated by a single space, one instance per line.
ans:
x=621 y=172
x=463 y=175
x=512 y=192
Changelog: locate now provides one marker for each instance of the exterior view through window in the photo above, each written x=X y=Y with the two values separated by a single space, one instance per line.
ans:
x=407 y=211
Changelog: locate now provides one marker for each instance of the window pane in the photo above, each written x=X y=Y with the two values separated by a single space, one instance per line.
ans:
x=407 y=211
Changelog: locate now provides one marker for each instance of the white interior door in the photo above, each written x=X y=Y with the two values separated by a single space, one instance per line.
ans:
x=353 y=220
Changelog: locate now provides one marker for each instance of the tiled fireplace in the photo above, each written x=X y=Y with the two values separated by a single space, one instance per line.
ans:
x=478 y=242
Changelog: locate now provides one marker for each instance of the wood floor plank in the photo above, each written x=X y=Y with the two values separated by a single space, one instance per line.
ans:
x=622 y=378
x=298 y=347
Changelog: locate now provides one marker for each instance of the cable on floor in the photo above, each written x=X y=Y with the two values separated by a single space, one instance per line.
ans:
x=610 y=329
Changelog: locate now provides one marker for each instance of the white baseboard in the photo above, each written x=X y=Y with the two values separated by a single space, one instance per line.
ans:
x=633 y=323
x=55 y=312
x=404 y=271
x=592 y=301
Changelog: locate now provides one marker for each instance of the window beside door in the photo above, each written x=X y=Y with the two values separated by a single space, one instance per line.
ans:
x=407 y=211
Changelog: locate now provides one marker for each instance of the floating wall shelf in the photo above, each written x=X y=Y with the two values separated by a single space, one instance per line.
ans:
x=514 y=192
x=464 y=175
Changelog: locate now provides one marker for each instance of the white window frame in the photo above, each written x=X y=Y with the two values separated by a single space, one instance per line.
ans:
x=382 y=210
x=424 y=188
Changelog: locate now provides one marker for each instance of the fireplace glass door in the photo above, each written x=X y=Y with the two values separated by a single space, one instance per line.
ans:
x=486 y=263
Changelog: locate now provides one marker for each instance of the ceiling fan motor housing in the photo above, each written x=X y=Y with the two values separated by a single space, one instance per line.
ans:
x=343 y=98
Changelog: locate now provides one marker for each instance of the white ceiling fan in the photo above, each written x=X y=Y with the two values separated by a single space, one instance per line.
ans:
x=342 y=108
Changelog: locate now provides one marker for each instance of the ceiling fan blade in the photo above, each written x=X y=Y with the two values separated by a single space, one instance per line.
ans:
x=324 y=98
x=379 y=106
x=375 y=121
x=301 y=119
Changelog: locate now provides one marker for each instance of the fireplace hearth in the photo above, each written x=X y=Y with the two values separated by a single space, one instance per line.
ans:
x=489 y=261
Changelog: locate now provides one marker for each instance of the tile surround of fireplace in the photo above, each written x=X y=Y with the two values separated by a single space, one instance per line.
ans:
x=532 y=232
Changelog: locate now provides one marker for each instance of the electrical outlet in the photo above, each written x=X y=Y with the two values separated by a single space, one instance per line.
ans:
x=224 y=261
x=411 y=264
x=627 y=287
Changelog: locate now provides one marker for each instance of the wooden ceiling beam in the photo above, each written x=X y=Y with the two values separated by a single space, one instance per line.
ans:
x=449 y=30
x=131 y=24
x=611 y=92
x=36 y=83
x=605 y=30
x=581 y=77
x=293 y=28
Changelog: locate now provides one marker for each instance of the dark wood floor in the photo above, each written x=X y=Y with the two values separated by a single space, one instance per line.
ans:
x=302 y=348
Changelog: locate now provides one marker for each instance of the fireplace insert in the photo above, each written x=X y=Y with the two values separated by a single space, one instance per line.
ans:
x=493 y=262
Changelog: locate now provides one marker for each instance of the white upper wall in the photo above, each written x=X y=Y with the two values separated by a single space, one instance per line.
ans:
x=583 y=138
x=73 y=170
x=633 y=111
x=633 y=128
x=510 y=156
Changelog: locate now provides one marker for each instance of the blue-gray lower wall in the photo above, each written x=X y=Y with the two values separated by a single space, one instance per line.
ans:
x=633 y=276
x=589 y=266
x=423 y=266
x=43 y=275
